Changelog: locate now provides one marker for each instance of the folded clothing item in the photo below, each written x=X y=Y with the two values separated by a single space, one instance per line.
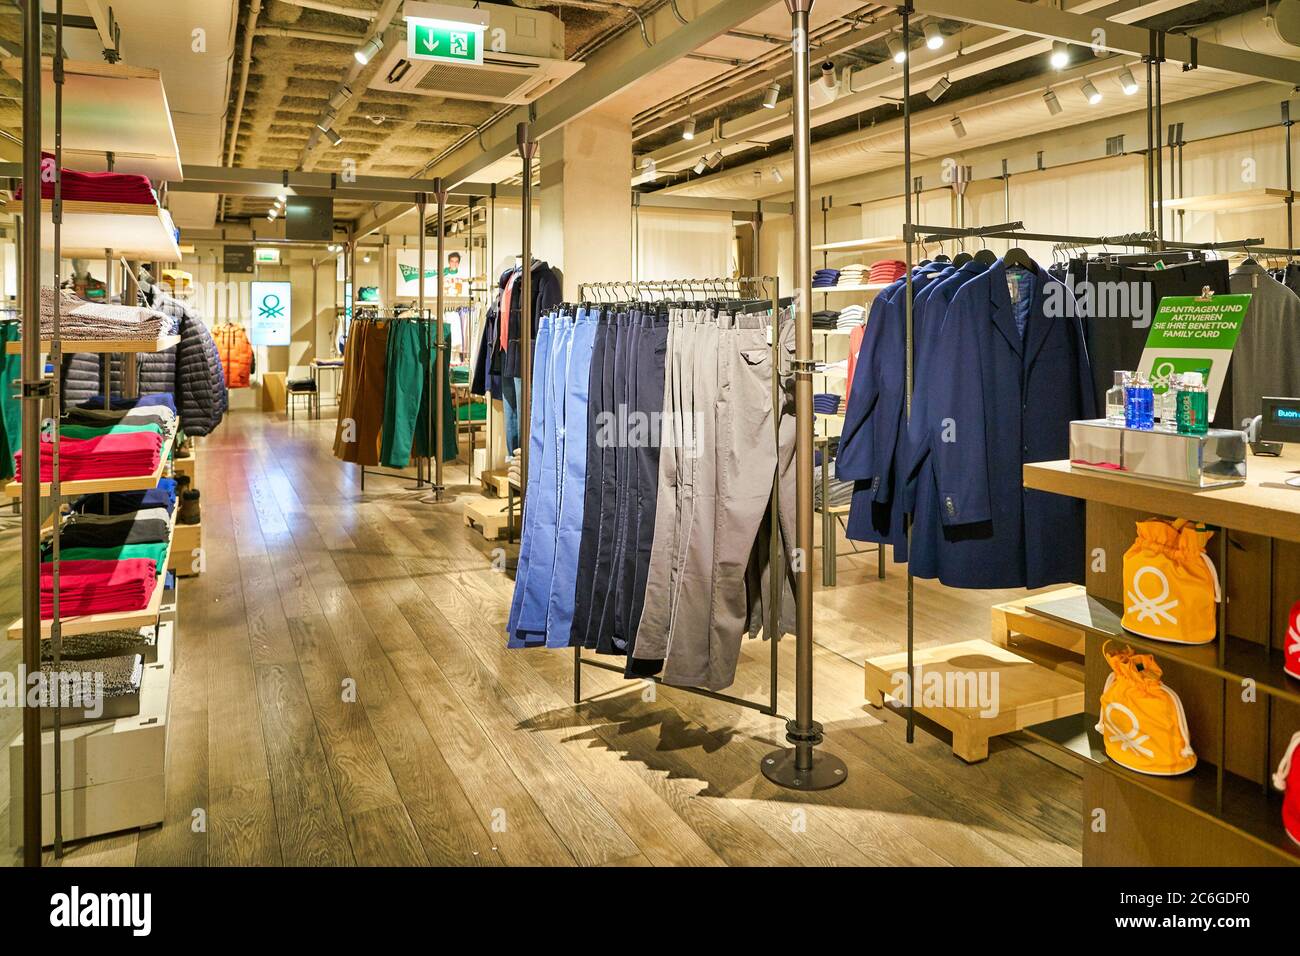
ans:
x=81 y=186
x=81 y=320
x=826 y=403
x=147 y=526
x=101 y=644
x=824 y=319
x=164 y=399
x=98 y=587
x=159 y=415
x=120 y=677
x=840 y=493
x=851 y=316
x=108 y=456
x=824 y=278
x=155 y=553
x=125 y=502
x=887 y=270
x=94 y=431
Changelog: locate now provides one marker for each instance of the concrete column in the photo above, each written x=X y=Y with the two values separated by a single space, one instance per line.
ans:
x=585 y=226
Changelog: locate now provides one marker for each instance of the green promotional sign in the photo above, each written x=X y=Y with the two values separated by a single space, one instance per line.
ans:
x=1193 y=334
x=445 y=41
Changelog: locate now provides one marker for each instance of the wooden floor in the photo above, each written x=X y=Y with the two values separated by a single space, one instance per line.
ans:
x=458 y=751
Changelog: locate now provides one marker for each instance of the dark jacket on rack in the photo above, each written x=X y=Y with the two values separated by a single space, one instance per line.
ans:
x=1007 y=398
x=546 y=294
x=80 y=377
x=486 y=379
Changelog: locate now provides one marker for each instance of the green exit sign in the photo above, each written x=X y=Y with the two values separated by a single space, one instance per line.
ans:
x=445 y=41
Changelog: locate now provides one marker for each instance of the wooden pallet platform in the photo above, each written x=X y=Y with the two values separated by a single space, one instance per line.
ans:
x=1014 y=618
x=489 y=515
x=975 y=689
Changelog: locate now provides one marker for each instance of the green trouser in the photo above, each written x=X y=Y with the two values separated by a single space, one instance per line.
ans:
x=11 y=407
x=406 y=419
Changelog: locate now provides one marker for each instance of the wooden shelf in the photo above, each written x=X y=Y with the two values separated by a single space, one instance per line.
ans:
x=109 y=107
x=861 y=245
x=1100 y=619
x=1251 y=810
x=146 y=616
x=127 y=483
x=101 y=345
x=1264 y=505
x=131 y=230
x=1242 y=200
x=872 y=287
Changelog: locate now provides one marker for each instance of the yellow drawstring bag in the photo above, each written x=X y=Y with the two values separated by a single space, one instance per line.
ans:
x=1170 y=584
x=1142 y=720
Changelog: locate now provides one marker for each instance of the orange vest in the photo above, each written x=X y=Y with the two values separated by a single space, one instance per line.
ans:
x=236 y=354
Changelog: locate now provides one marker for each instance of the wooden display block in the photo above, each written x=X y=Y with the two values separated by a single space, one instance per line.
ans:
x=275 y=391
x=1015 y=626
x=189 y=465
x=112 y=770
x=496 y=481
x=975 y=689
x=489 y=515
x=187 y=543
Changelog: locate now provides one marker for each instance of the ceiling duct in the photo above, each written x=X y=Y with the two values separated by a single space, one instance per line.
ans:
x=523 y=59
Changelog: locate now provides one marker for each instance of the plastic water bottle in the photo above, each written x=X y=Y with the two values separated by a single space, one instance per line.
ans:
x=1115 y=414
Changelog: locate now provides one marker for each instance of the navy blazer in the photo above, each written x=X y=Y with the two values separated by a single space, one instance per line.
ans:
x=995 y=401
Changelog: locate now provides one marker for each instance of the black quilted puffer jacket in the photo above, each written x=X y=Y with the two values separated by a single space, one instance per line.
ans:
x=191 y=371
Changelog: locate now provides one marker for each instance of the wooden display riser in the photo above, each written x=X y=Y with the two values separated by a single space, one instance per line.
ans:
x=112 y=770
x=1046 y=642
x=490 y=516
x=1022 y=693
x=186 y=553
x=189 y=465
x=496 y=482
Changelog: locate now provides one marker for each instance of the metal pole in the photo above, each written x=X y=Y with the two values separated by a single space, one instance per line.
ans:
x=1290 y=200
x=801 y=768
x=527 y=150
x=907 y=297
x=1151 y=147
x=420 y=205
x=33 y=390
x=56 y=402
x=439 y=374
x=1158 y=123
x=489 y=270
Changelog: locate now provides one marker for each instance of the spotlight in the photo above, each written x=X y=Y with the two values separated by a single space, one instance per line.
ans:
x=366 y=52
x=896 y=49
x=1060 y=57
x=958 y=127
x=771 y=97
x=715 y=160
x=701 y=165
x=938 y=89
x=332 y=135
x=341 y=96
x=933 y=35
x=1090 y=92
x=272 y=213
x=366 y=257
x=776 y=175
x=1127 y=83
x=650 y=168
x=1053 y=104
x=828 y=76
x=688 y=128
x=326 y=121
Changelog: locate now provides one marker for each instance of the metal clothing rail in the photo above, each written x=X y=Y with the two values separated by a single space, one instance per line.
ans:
x=719 y=289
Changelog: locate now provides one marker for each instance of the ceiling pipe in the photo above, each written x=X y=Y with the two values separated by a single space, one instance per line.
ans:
x=246 y=57
x=318 y=35
x=332 y=8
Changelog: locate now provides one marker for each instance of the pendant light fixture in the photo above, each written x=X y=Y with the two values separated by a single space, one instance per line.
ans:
x=1090 y=92
x=1060 y=57
x=1127 y=83
x=933 y=35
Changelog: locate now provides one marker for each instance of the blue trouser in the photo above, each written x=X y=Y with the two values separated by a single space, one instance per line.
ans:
x=510 y=389
x=534 y=497
x=545 y=506
x=572 y=461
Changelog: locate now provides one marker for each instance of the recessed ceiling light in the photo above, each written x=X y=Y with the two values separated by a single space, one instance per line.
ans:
x=933 y=35
x=1053 y=104
x=1090 y=92
x=1127 y=83
x=366 y=52
x=958 y=127
x=688 y=128
x=938 y=89
x=896 y=49
x=1060 y=57
x=771 y=97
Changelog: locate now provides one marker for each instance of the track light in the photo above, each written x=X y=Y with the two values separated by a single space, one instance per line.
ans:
x=272 y=213
x=688 y=128
x=327 y=120
x=1053 y=104
x=1090 y=92
x=958 y=127
x=701 y=165
x=896 y=49
x=771 y=97
x=715 y=160
x=332 y=135
x=366 y=52
x=366 y=257
x=341 y=96
x=1060 y=57
x=828 y=76
x=1127 y=83
x=650 y=168
x=933 y=35
x=776 y=175
x=938 y=89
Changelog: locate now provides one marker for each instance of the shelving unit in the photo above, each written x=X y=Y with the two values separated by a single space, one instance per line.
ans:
x=1242 y=200
x=14 y=489
x=100 y=346
x=872 y=244
x=870 y=288
x=131 y=230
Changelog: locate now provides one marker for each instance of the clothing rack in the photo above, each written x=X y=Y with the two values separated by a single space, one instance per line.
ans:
x=718 y=288
x=434 y=433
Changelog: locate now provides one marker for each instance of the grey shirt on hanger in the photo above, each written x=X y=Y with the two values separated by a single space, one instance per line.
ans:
x=1266 y=359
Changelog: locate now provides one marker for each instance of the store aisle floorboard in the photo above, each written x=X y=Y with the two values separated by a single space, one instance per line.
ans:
x=343 y=695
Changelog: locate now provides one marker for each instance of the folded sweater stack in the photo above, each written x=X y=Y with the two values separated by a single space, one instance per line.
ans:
x=98 y=587
x=113 y=455
x=886 y=271
x=853 y=275
x=80 y=320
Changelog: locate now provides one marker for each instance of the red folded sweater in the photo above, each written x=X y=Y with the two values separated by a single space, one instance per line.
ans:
x=97 y=587
x=117 y=455
x=95 y=187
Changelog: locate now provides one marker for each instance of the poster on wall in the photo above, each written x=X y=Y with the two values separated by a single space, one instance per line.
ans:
x=1193 y=334
x=271 y=313
x=455 y=275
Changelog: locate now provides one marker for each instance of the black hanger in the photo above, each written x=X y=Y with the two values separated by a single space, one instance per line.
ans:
x=986 y=257
x=961 y=258
x=1015 y=257
x=942 y=257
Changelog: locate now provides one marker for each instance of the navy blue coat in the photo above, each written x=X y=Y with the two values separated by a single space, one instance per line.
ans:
x=1010 y=401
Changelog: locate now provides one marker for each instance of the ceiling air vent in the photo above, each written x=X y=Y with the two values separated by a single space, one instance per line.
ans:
x=1115 y=145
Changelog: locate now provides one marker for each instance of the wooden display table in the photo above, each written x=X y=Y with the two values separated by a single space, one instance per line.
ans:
x=1241 y=708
